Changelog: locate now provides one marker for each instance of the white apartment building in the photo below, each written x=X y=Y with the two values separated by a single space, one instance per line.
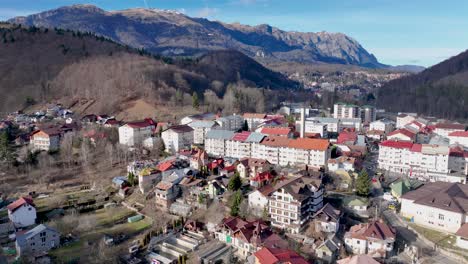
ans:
x=134 y=133
x=459 y=137
x=240 y=145
x=215 y=142
x=258 y=200
x=375 y=239
x=333 y=124
x=46 y=139
x=423 y=161
x=353 y=123
x=384 y=125
x=294 y=202
x=200 y=128
x=439 y=205
x=178 y=137
x=231 y=123
x=342 y=110
x=444 y=129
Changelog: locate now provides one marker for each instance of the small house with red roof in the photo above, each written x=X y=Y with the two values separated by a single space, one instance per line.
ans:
x=22 y=212
x=134 y=133
x=278 y=256
x=249 y=167
x=262 y=179
x=374 y=238
x=402 y=134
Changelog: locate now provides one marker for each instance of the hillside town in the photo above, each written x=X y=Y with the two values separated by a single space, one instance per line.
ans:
x=295 y=186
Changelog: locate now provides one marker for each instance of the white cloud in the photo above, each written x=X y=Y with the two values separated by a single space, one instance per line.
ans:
x=207 y=12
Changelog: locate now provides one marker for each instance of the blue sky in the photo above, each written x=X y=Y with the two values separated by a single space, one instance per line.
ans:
x=422 y=32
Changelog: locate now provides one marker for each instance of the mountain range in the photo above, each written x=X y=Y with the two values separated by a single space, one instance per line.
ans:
x=175 y=34
x=44 y=65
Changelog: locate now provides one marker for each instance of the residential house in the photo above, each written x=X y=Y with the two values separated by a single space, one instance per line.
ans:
x=444 y=129
x=404 y=119
x=384 y=125
x=462 y=236
x=295 y=201
x=375 y=135
x=120 y=182
x=374 y=238
x=249 y=167
x=437 y=205
x=329 y=250
x=278 y=256
x=258 y=200
x=215 y=142
x=356 y=205
x=262 y=179
x=276 y=131
x=40 y=239
x=148 y=178
x=459 y=137
x=231 y=123
x=402 y=134
x=248 y=236
x=22 y=212
x=133 y=133
x=327 y=219
x=199 y=160
x=168 y=189
x=254 y=120
x=47 y=139
x=178 y=137
x=343 y=163
x=358 y=259
x=217 y=186
x=200 y=128
x=402 y=186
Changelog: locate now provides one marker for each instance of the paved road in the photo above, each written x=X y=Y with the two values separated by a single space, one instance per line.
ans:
x=408 y=237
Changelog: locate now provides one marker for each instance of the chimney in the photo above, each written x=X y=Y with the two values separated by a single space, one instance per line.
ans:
x=302 y=122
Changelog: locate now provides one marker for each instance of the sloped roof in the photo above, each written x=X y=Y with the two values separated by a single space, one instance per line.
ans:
x=284 y=131
x=22 y=238
x=219 y=134
x=372 y=230
x=327 y=213
x=450 y=126
x=20 y=202
x=402 y=131
x=463 y=231
x=202 y=124
x=276 y=141
x=276 y=255
x=459 y=134
x=242 y=136
x=255 y=115
x=443 y=195
x=180 y=129
x=397 y=144
x=309 y=144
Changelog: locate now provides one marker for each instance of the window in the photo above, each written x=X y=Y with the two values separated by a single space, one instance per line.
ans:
x=43 y=239
x=441 y=217
x=358 y=242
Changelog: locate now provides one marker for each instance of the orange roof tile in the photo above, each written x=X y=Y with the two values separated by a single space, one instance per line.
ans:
x=309 y=144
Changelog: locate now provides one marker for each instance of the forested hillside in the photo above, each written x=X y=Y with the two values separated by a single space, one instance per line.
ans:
x=441 y=90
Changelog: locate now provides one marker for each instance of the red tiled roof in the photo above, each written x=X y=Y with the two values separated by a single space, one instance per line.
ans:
x=230 y=168
x=241 y=136
x=397 y=144
x=284 y=131
x=346 y=136
x=165 y=166
x=276 y=141
x=450 y=126
x=309 y=144
x=403 y=131
x=277 y=255
x=20 y=202
x=459 y=134
x=263 y=176
x=374 y=230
